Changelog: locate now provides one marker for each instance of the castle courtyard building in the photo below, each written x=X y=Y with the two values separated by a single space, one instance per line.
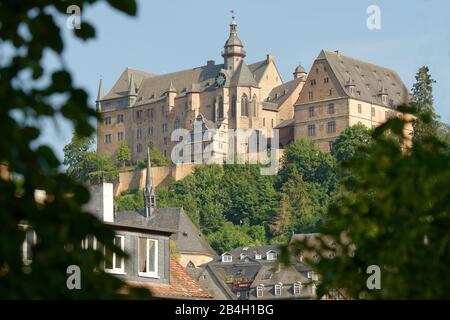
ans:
x=340 y=92
x=143 y=107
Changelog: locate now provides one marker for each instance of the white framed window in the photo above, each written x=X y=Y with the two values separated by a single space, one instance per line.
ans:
x=278 y=289
x=258 y=256
x=259 y=291
x=297 y=288
x=27 y=245
x=148 y=258
x=226 y=257
x=271 y=255
x=90 y=242
x=114 y=263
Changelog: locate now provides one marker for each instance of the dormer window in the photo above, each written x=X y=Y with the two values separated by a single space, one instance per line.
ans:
x=243 y=256
x=260 y=291
x=257 y=256
x=226 y=257
x=297 y=288
x=271 y=255
x=278 y=287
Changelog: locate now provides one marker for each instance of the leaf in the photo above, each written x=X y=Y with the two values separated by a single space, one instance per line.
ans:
x=85 y=32
x=127 y=6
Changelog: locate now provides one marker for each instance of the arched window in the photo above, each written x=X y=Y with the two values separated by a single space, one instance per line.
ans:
x=220 y=112
x=255 y=106
x=244 y=105
x=233 y=107
x=214 y=110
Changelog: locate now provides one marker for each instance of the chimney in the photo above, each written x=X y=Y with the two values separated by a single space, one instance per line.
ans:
x=270 y=58
x=101 y=203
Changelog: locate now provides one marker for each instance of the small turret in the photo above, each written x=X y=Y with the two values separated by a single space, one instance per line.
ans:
x=149 y=191
x=100 y=95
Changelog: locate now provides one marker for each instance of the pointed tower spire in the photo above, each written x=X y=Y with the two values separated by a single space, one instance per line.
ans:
x=171 y=87
x=100 y=93
x=132 y=86
x=149 y=191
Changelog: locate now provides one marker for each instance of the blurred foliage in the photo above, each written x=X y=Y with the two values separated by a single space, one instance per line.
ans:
x=393 y=212
x=29 y=95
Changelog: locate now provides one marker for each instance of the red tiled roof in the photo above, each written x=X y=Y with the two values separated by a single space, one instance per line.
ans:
x=181 y=286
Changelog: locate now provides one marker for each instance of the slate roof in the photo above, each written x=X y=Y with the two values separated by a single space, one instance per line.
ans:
x=243 y=76
x=285 y=124
x=152 y=86
x=121 y=87
x=369 y=79
x=185 y=234
x=280 y=93
x=182 y=285
x=254 y=272
x=258 y=69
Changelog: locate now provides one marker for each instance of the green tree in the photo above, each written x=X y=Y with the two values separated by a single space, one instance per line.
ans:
x=250 y=196
x=131 y=200
x=85 y=165
x=30 y=94
x=228 y=237
x=352 y=140
x=302 y=207
x=393 y=212
x=304 y=158
x=123 y=154
x=423 y=97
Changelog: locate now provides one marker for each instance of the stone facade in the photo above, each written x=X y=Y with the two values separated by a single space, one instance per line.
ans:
x=144 y=108
x=340 y=92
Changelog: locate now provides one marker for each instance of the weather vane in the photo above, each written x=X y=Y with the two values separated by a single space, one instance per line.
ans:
x=232 y=13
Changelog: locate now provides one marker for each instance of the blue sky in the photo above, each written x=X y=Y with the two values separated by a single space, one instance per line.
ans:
x=173 y=35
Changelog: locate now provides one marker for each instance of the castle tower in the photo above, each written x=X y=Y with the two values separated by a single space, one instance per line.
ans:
x=234 y=51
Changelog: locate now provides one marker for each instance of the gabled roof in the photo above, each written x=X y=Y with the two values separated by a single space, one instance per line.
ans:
x=243 y=77
x=121 y=87
x=258 y=69
x=370 y=80
x=155 y=87
x=185 y=234
x=182 y=285
x=280 y=93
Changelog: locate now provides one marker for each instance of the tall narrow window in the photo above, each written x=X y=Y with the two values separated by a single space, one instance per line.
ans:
x=278 y=289
x=148 y=257
x=297 y=288
x=220 y=112
x=114 y=263
x=311 y=130
x=244 y=105
x=359 y=108
x=107 y=138
x=259 y=291
x=331 y=108
x=233 y=107
x=331 y=127
x=311 y=111
x=255 y=106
